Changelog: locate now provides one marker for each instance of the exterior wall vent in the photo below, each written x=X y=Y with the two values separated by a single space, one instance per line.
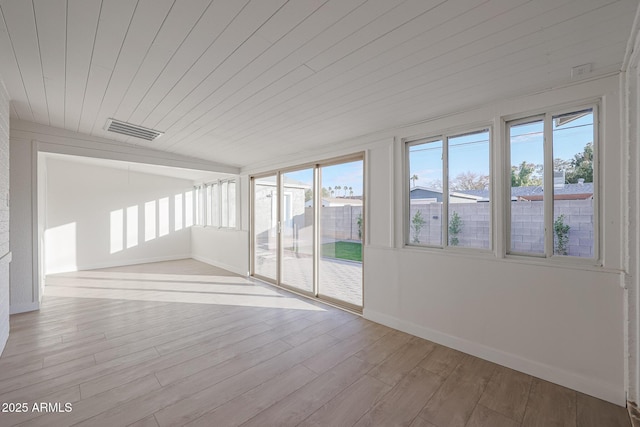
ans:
x=128 y=129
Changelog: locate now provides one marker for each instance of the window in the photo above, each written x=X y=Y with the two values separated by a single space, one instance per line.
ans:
x=457 y=165
x=224 y=204
x=231 y=197
x=208 y=208
x=199 y=196
x=551 y=203
x=214 y=205
x=219 y=203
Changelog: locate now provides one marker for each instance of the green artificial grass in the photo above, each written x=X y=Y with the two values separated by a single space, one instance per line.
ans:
x=343 y=250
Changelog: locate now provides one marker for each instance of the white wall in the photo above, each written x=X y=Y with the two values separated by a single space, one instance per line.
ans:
x=563 y=323
x=226 y=249
x=26 y=141
x=5 y=255
x=24 y=286
x=631 y=132
x=87 y=217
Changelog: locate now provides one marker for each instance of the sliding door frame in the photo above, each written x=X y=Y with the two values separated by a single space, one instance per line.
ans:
x=317 y=204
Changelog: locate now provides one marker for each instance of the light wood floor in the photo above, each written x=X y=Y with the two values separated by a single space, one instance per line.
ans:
x=117 y=345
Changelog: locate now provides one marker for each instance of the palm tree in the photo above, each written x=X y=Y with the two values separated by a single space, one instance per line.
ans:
x=414 y=178
x=350 y=191
x=337 y=187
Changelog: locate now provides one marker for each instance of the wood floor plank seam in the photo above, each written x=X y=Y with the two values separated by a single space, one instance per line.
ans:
x=164 y=363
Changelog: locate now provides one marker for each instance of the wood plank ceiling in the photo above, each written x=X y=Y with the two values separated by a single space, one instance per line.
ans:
x=246 y=81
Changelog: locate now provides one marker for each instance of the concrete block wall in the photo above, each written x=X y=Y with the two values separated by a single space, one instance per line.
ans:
x=579 y=216
x=527 y=225
x=338 y=222
x=476 y=224
x=5 y=256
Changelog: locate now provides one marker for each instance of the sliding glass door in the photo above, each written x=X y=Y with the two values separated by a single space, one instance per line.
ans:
x=265 y=227
x=297 y=229
x=308 y=228
x=341 y=226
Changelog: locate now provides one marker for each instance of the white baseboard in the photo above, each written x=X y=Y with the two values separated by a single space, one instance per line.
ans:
x=609 y=392
x=231 y=268
x=23 y=308
x=110 y=264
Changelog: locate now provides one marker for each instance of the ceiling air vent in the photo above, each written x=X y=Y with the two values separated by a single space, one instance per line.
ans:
x=131 y=130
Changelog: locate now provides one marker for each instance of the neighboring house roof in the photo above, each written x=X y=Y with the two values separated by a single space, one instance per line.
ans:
x=531 y=192
x=534 y=192
x=425 y=193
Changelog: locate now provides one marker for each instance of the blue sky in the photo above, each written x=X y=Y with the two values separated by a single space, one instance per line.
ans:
x=344 y=174
x=471 y=152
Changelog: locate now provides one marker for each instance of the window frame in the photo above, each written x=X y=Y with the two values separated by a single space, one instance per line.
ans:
x=213 y=202
x=198 y=205
x=444 y=137
x=546 y=115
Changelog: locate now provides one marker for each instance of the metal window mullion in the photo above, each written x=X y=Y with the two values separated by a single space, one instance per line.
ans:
x=236 y=190
x=445 y=191
x=205 y=204
x=219 y=203
x=279 y=210
x=317 y=203
x=503 y=173
x=596 y=184
x=227 y=197
x=492 y=184
x=406 y=194
x=213 y=206
x=252 y=225
x=548 y=185
x=193 y=204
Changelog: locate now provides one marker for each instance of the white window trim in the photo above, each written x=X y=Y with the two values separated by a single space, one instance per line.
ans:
x=548 y=257
x=207 y=203
x=444 y=137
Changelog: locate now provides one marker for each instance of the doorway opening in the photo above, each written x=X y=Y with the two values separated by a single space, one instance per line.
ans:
x=308 y=230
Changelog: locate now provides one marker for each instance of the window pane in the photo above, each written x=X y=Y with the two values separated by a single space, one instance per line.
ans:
x=425 y=195
x=225 y=204
x=232 y=204
x=215 y=205
x=265 y=226
x=573 y=136
x=297 y=230
x=469 y=211
x=341 y=227
x=527 y=202
x=208 y=205
x=198 y=206
x=188 y=209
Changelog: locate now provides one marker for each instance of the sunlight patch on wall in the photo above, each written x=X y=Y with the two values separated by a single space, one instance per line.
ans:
x=178 y=222
x=132 y=226
x=116 y=230
x=60 y=249
x=163 y=216
x=188 y=208
x=150 y=220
